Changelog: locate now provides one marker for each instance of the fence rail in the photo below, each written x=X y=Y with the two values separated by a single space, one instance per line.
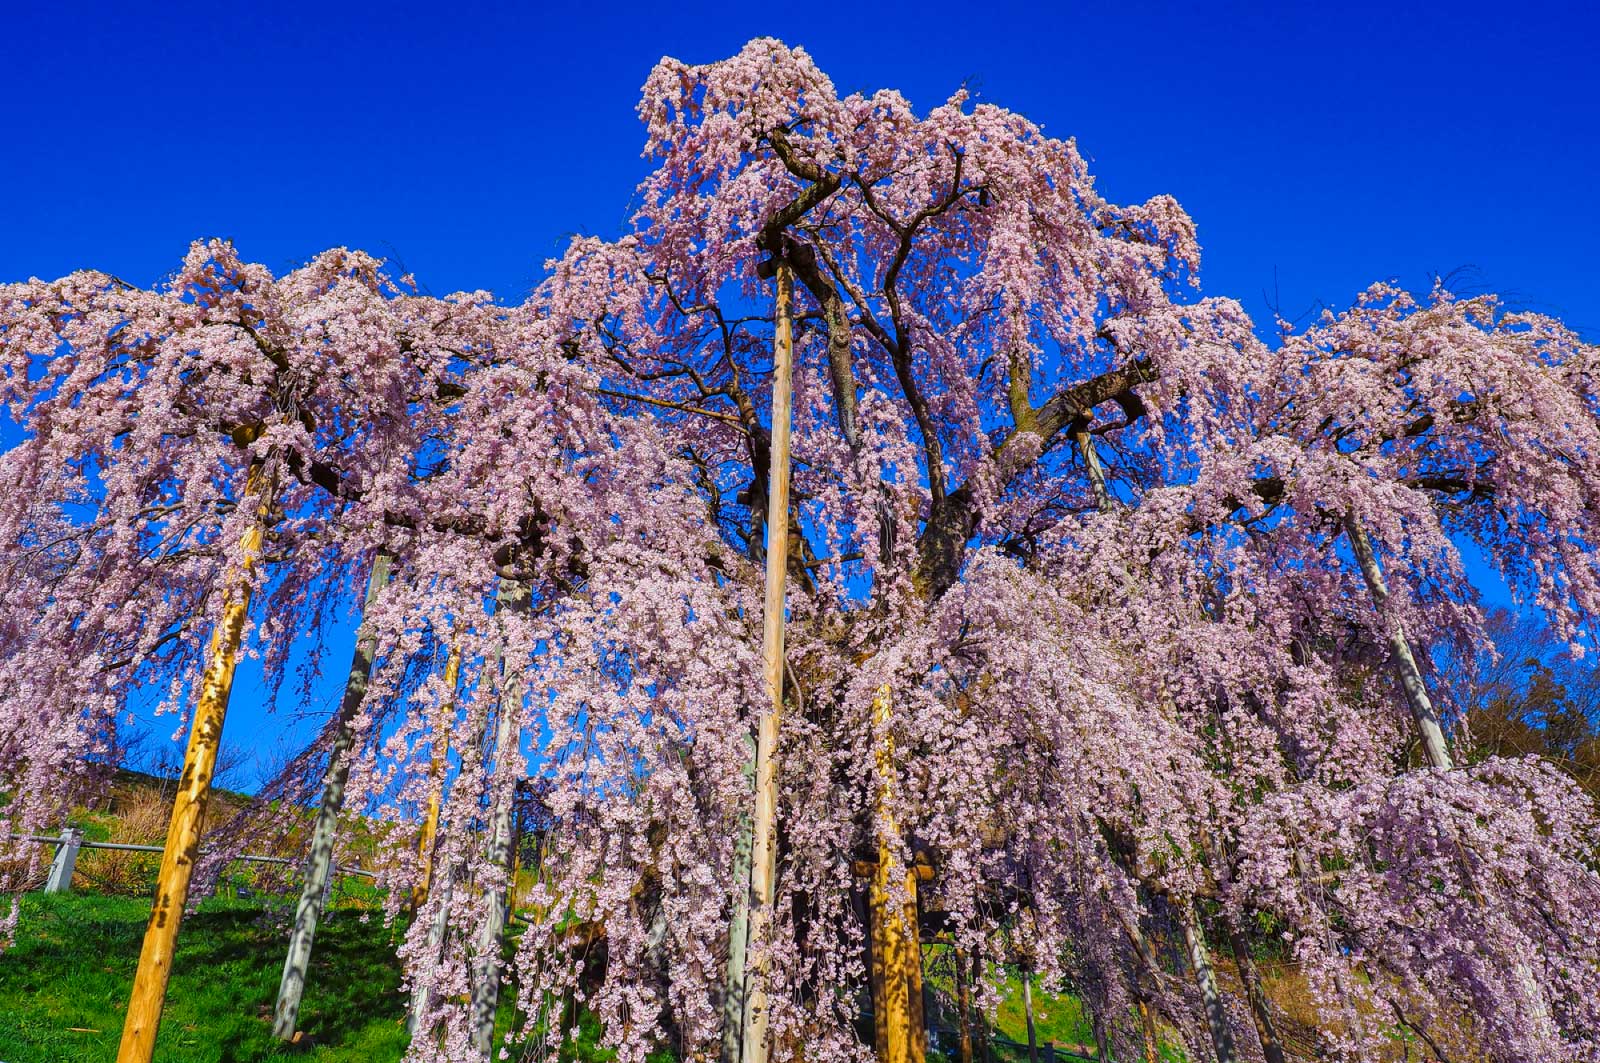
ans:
x=71 y=841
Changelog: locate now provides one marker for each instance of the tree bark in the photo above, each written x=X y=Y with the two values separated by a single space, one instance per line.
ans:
x=763 y=850
x=513 y=596
x=194 y=785
x=1091 y=464
x=319 y=865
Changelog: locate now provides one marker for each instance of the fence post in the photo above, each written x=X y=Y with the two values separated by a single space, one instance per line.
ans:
x=65 y=862
x=1049 y=1052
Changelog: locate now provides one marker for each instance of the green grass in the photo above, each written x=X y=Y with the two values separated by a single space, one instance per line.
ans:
x=64 y=985
x=1061 y=1019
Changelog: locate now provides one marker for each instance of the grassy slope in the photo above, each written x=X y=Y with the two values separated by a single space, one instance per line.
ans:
x=73 y=963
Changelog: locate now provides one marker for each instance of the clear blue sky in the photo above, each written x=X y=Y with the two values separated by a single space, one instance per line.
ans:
x=1318 y=148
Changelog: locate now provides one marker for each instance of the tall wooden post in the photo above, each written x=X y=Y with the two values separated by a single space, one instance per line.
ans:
x=426 y=843
x=441 y=751
x=738 y=930
x=963 y=1010
x=438 y=927
x=319 y=865
x=194 y=786
x=1147 y=1027
x=1027 y=1012
x=917 y=1048
x=1256 y=994
x=763 y=848
x=897 y=1026
x=1405 y=662
x=66 y=860
x=513 y=596
x=1194 y=938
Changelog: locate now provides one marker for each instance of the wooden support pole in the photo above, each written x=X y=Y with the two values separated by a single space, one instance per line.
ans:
x=441 y=753
x=763 y=848
x=438 y=927
x=1147 y=1026
x=1027 y=1013
x=1405 y=661
x=963 y=1010
x=738 y=931
x=983 y=1044
x=319 y=865
x=514 y=597
x=1205 y=977
x=898 y=1033
x=427 y=842
x=194 y=787
x=65 y=862
x=889 y=1018
x=1256 y=994
x=918 y=1049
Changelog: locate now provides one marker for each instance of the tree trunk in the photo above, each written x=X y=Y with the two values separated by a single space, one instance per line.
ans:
x=514 y=597
x=763 y=849
x=319 y=865
x=194 y=786
x=1405 y=662
x=1204 y=976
